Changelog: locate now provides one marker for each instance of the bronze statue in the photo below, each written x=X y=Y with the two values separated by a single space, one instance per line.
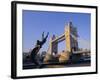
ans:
x=38 y=46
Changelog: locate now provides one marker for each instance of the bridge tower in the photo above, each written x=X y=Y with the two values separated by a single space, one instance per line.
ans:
x=53 y=46
x=71 y=37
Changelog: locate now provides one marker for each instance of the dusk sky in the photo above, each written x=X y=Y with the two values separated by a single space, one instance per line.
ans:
x=35 y=22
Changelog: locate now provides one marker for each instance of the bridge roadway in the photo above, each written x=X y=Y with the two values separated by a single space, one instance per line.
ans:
x=80 y=52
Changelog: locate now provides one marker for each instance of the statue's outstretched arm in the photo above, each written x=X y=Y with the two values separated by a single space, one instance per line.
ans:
x=44 y=38
x=42 y=35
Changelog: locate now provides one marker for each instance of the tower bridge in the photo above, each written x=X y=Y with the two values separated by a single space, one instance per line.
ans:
x=70 y=36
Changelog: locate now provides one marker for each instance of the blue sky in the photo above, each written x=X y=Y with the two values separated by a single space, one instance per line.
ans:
x=35 y=22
